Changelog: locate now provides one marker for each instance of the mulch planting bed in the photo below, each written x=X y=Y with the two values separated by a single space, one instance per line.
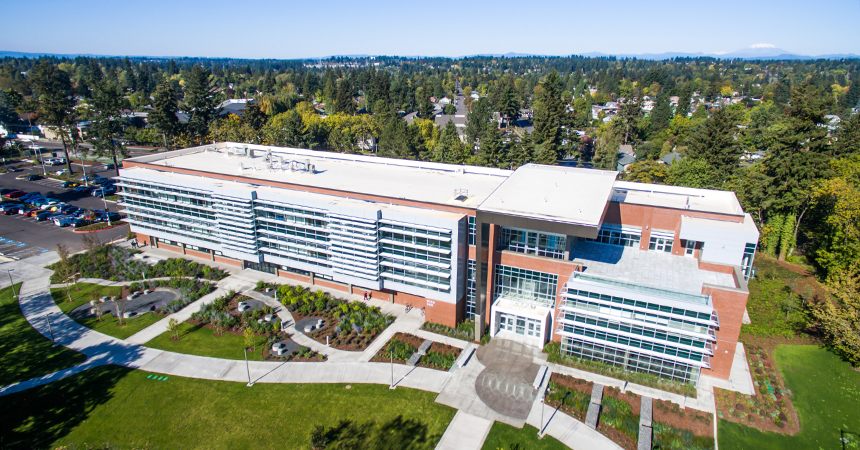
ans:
x=770 y=409
x=699 y=423
x=611 y=432
x=576 y=401
x=351 y=342
x=314 y=356
x=383 y=356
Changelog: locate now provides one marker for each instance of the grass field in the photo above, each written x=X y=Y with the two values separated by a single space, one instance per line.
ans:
x=125 y=408
x=826 y=397
x=505 y=437
x=109 y=324
x=24 y=353
x=197 y=340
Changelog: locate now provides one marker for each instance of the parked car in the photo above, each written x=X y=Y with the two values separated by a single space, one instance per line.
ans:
x=43 y=216
x=13 y=169
x=61 y=172
x=100 y=180
x=9 y=209
x=34 y=212
x=63 y=221
x=78 y=222
x=15 y=194
x=101 y=192
x=70 y=184
x=5 y=191
x=30 y=196
x=68 y=209
x=33 y=177
x=112 y=217
x=88 y=177
x=111 y=166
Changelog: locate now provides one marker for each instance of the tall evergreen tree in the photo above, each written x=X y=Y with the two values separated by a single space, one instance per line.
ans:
x=425 y=106
x=478 y=120
x=200 y=103
x=344 y=101
x=56 y=101
x=684 y=100
x=798 y=157
x=848 y=138
x=107 y=124
x=716 y=141
x=165 y=106
x=449 y=149
x=851 y=99
x=397 y=140
x=662 y=113
x=550 y=114
x=492 y=150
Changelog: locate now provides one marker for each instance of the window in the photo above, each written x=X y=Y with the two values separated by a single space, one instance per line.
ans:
x=471 y=230
x=661 y=244
x=470 y=290
x=525 y=285
x=614 y=235
x=747 y=260
x=532 y=242
x=691 y=246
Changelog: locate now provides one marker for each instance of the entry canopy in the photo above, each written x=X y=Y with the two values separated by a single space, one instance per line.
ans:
x=562 y=200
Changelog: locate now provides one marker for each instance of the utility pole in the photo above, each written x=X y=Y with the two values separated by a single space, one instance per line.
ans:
x=14 y=294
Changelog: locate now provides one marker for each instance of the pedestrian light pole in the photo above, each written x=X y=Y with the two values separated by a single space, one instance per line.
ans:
x=248 y=367
x=14 y=294
x=392 y=370
x=50 y=329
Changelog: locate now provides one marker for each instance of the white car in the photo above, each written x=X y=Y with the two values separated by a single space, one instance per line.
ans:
x=243 y=306
x=62 y=172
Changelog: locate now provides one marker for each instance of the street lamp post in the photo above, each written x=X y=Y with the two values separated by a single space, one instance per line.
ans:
x=51 y=329
x=14 y=294
x=248 y=367
x=39 y=152
x=110 y=224
x=392 y=370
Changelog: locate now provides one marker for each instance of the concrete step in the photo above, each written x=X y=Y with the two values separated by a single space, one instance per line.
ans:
x=594 y=407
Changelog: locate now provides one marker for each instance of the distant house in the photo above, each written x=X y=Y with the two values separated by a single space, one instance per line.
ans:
x=624 y=161
x=475 y=95
x=235 y=106
x=671 y=158
x=627 y=149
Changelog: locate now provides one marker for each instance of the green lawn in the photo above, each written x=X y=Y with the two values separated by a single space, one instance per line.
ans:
x=124 y=408
x=108 y=325
x=197 y=340
x=826 y=396
x=505 y=437
x=24 y=353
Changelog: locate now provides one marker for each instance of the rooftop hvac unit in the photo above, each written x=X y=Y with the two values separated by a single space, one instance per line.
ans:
x=311 y=169
x=250 y=152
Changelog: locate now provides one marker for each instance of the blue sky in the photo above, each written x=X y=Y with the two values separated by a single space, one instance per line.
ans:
x=289 y=29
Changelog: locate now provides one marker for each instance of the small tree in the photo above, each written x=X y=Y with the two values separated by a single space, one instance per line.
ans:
x=97 y=305
x=218 y=323
x=249 y=338
x=119 y=304
x=173 y=328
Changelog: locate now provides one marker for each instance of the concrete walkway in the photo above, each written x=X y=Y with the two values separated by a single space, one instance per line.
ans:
x=465 y=432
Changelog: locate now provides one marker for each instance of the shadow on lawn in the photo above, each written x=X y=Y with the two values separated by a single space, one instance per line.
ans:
x=26 y=353
x=37 y=417
x=395 y=434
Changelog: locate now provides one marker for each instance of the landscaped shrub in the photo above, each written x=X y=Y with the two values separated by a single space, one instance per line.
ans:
x=554 y=355
x=465 y=330
x=618 y=414
x=577 y=400
x=445 y=360
x=109 y=262
x=402 y=351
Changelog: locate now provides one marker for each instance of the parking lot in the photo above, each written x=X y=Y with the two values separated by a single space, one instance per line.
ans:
x=22 y=237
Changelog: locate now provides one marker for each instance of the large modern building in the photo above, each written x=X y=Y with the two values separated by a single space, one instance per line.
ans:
x=652 y=278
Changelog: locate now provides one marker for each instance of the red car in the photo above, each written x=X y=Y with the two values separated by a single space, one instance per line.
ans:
x=15 y=194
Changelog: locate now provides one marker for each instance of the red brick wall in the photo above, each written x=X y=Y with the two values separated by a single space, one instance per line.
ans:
x=141 y=238
x=441 y=312
x=402 y=298
x=294 y=276
x=378 y=295
x=172 y=248
x=226 y=260
x=331 y=285
x=730 y=307
x=716 y=268
x=198 y=254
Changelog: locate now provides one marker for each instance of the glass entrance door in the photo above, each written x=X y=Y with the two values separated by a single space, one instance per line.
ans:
x=519 y=325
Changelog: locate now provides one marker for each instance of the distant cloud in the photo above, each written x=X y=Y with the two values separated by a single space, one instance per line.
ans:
x=762 y=46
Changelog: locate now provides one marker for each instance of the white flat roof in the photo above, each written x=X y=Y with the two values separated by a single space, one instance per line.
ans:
x=677 y=197
x=747 y=226
x=385 y=177
x=558 y=194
